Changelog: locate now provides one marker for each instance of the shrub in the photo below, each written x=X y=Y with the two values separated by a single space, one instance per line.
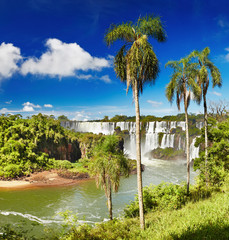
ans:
x=12 y=171
x=63 y=164
x=163 y=196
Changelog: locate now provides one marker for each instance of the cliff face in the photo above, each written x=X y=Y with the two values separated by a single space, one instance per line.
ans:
x=164 y=134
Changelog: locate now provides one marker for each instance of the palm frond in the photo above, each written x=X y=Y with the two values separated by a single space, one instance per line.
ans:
x=174 y=64
x=215 y=74
x=188 y=98
x=153 y=27
x=196 y=90
x=120 y=64
x=172 y=87
x=179 y=98
x=122 y=32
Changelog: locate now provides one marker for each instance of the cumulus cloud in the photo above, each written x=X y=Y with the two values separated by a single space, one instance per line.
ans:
x=63 y=60
x=155 y=103
x=81 y=116
x=29 y=107
x=4 y=111
x=48 y=105
x=9 y=57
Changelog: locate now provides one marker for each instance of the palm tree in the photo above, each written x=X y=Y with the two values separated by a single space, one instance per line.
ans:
x=137 y=64
x=108 y=163
x=182 y=85
x=206 y=69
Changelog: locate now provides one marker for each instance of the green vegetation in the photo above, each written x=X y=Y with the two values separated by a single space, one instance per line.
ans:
x=218 y=152
x=168 y=154
x=40 y=143
x=107 y=165
x=193 y=118
x=63 y=118
x=28 y=145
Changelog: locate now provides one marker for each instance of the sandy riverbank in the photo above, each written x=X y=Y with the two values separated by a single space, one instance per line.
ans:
x=43 y=179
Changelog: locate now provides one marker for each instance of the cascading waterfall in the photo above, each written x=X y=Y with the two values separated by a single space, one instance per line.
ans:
x=194 y=151
x=150 y=141
x=167 y=141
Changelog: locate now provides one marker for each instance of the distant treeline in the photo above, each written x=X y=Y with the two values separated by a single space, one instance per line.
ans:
x=150 y=118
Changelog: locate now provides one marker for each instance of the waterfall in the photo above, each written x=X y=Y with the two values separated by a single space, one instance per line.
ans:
x=167 y=141
x=199 y=125
x=194 y=151
x=150 y=140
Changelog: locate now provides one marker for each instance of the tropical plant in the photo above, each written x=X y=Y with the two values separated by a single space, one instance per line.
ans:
x=218 y=152
x=107 y=165
x=206 y=70
x=136 y=64
x=182 y=85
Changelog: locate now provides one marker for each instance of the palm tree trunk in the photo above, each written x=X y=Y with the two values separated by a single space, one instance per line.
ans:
x=138 y=156
x=109 y=199
x=187 y=150
x=206 y=138
x=187 y=137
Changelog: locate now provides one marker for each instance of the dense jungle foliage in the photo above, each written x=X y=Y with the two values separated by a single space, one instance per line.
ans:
x=218 y=152
x=39 y=143
x=33 y=144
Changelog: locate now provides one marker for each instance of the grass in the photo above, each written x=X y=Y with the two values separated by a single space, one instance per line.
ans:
x=206 y=219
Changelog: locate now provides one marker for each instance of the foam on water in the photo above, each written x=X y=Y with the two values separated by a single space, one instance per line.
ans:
x=29 y=217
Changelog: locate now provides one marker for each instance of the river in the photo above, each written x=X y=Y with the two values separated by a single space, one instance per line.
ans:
x=42 y=205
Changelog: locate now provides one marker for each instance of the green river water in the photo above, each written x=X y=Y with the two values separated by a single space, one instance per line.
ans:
x=42 y=205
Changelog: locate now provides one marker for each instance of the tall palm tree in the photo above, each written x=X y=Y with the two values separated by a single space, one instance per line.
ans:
x=182 y=85
x=137 y=64
x=107 y=165
x=206 y=70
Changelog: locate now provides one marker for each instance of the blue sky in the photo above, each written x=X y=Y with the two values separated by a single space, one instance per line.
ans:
x=53 y=58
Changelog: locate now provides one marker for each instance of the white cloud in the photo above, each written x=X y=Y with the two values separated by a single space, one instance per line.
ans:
x=63 y=60
x=29 y=107
x=4 y=110
x=226 y=57
x=155 y=103
x=85 y=77
x=8 y=102
x=105 y=79
x=216 y=93
x=9 y=57
x=48 y=105
x=81 y=116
